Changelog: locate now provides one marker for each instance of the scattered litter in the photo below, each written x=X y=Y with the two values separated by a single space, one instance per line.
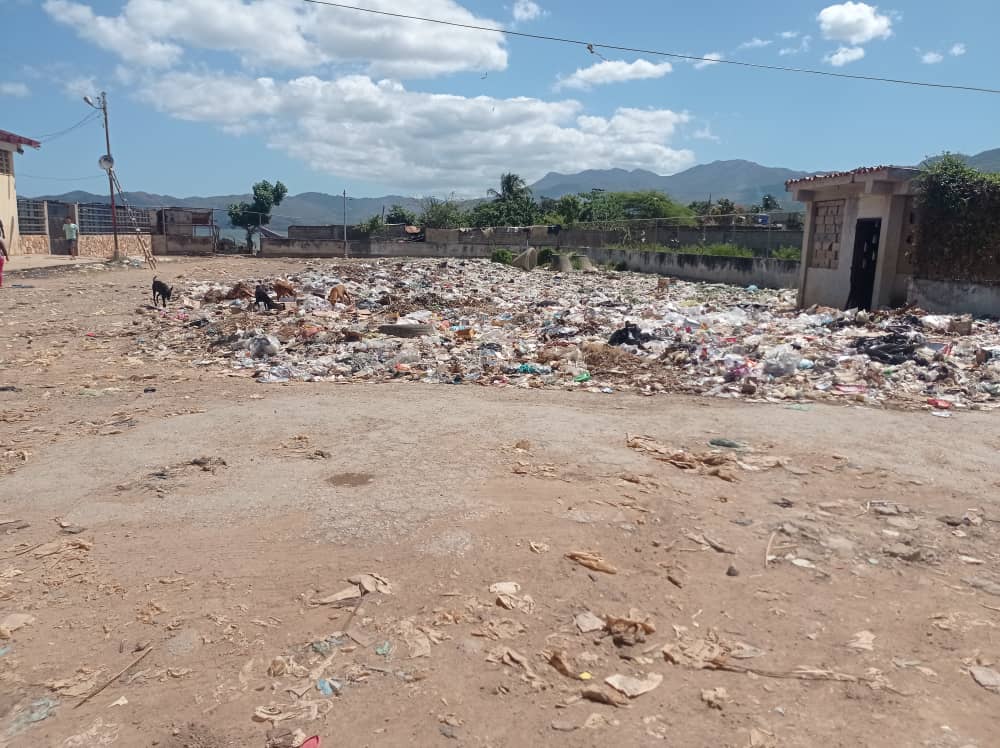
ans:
x=417 y=640
x=79 y=684
x=592 y=561
x=634 y=687
x=560 y=661
x=305 y=710
x=13 y=622
x=328 y=687
x=715 y=698
x=862 y=641
x=121 y=701
x=980 y=583
x=986 y=677
x=604 y=696
x=98 y=734
x=587 y=622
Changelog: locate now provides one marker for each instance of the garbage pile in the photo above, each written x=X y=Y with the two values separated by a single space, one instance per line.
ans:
x=461 y=322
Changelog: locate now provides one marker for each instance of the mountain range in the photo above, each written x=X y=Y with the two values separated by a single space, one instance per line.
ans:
x=743 y=182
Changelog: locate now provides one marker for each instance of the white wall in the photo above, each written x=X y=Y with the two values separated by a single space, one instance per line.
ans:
x=8 y=200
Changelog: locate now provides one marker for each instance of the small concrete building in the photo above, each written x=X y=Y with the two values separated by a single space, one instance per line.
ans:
x=11 y=144
x=858 y=227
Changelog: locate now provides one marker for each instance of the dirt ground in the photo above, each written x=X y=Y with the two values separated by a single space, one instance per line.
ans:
x=195 y=520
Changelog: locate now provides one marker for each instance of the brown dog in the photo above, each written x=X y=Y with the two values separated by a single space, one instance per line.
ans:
x=339 y=295
x=240 y=291
x=283 y=289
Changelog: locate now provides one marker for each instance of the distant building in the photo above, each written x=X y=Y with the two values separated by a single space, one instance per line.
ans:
x=9 y=145
x=859 y=226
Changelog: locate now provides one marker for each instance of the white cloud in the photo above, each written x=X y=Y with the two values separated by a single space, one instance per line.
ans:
x=789 y=34
x=526 y=10
x=957 y=50
x=116 y=35
x=712 y=58
x=14 y=89
x=290 y=34
x=804 y=46
x=854 y=23
x=705 y=133
x=614 y=71
x=81 y=85
x=931 y=58
x=844 y=56
x=355 y=125
x=755 y=43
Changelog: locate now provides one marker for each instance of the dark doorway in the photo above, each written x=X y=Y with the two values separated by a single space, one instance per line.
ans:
x=864 y=262
x=57 y=237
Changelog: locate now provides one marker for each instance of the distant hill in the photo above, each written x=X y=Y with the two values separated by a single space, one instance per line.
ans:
x=742 y=182
x=988 y=161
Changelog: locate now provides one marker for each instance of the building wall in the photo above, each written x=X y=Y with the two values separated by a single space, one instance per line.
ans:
x=178 y=244
x=638 y=232
x=8 y=197
x=103 y=245
x=37 y=244
x=310 y=248
x=827 y=274
x=743 y=271
x=954 y=297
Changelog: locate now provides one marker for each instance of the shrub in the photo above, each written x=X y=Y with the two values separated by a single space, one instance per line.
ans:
x=958 y=234
x=788 y=253
x=502 y=256
x=545 y=256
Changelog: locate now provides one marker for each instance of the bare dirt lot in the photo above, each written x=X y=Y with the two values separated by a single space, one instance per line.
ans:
x=834 y=583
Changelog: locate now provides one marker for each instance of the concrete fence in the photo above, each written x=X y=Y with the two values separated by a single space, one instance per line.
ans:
x=744 y=271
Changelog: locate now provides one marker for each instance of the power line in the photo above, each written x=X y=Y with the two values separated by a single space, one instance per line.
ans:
x=58 y=134
x=591 y=46
x=58 y=179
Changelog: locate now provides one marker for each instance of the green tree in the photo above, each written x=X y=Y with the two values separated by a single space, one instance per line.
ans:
x=512 y=204
x=725 y=209
x=769 y=203
x=442 y=214
x=373 y=225
x=399 y=214
x=251 y=216
x=569 y=208
x=700 y=207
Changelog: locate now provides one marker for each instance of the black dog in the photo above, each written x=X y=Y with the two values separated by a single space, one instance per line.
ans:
x=161 y=291
x=261 y=296
x=628 y=335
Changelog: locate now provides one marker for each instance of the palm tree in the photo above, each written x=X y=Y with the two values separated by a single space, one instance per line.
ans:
x=512 y=187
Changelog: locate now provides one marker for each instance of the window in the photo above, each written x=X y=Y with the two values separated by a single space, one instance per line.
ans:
x=827 y=227
x=6 y=163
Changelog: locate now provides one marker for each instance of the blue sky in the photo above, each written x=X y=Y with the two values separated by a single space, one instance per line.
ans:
x=208 y=96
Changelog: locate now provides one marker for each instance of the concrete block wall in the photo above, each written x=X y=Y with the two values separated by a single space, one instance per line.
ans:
x=103 y=245
x=31 y=244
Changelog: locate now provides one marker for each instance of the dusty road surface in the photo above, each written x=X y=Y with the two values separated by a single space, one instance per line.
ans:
x=186 y=540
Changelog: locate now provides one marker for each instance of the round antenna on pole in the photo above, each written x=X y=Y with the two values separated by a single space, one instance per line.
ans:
x=106 y=162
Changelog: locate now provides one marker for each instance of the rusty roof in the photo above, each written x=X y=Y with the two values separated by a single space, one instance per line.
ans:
x=860 y=171
x=9 y=137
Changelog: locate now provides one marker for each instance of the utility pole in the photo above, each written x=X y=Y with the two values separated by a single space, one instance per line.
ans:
x=102 y=105
x=345 y=224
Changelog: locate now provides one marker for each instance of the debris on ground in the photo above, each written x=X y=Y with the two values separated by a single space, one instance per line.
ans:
x=481 y=322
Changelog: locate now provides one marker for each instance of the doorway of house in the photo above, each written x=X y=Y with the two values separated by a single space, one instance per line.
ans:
x=864 y=262
x=57 y=238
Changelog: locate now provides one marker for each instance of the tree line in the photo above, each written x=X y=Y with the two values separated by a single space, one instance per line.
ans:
x=513 y=204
